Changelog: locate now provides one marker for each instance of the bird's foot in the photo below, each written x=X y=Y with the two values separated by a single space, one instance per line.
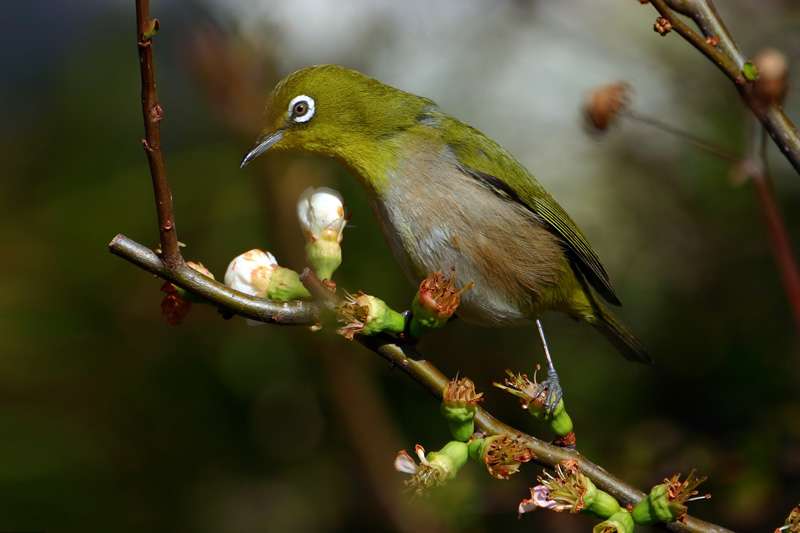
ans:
x=550 y=390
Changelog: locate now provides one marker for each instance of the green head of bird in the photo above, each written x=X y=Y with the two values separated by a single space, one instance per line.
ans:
x=333 y=111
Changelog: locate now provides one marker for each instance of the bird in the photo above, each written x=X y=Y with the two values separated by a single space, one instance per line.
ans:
x=445 y=195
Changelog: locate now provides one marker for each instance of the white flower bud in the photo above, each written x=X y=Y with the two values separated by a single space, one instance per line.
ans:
x=321 y=214
x=251 y=272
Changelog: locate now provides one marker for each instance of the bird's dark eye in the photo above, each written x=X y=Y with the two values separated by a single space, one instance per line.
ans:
x=301 y=108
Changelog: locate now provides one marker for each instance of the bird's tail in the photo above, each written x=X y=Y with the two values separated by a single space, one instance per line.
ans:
x=618 y=333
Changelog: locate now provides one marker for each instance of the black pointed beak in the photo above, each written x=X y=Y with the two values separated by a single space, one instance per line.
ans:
x=262 y=144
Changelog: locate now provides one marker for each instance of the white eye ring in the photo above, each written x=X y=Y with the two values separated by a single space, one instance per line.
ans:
x=301 y=108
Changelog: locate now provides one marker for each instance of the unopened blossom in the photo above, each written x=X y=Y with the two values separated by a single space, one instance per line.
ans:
x=251 y=272
x=604 y=104
x=322 y=219
x=257 y=273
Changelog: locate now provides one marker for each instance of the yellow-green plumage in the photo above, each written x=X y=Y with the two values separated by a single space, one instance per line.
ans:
x=447 y=196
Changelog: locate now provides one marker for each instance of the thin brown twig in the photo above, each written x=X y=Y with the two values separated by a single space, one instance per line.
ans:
x=774 y=222
x=294 y=313
x=152 y=113
x=699 y=142
x=727 y=57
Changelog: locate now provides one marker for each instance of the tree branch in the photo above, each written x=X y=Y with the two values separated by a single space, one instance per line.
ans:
x=152 y=113
x=401 y=355
x=727 y=57
x=295 y=313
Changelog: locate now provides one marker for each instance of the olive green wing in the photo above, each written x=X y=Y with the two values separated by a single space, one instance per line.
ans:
x=485 y=160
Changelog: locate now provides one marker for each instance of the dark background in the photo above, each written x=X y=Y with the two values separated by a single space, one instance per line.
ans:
x=111 y=420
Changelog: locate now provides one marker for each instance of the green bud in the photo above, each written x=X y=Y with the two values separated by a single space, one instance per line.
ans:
x=285 y=285
x=150 y=30
x=324 y=256
x=322 y=219
x=750 y=71
x=619 y=522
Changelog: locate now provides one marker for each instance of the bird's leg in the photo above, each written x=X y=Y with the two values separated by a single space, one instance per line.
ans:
x=551 y=384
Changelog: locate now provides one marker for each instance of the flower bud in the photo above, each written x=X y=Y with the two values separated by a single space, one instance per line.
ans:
x=322 y=219
x=367 y=315
x=502 y=454
x=619 y=522
x=667 y=501
x=773 y=76
x=435 y=303
x=257 y=273
x=435 y=469
x=662 y=26
x=459 y=404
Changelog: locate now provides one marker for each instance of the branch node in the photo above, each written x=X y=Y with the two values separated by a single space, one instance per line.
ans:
x=662 y=26
x=150 y=30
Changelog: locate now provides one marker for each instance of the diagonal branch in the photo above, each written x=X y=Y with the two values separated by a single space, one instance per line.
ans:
x=727 y=57
x=270 y=311
x=401 y=355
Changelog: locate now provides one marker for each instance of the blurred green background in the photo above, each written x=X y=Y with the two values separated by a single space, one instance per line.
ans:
x=111 y=420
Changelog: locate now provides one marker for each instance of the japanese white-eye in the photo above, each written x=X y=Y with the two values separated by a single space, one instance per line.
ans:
x=447 y=196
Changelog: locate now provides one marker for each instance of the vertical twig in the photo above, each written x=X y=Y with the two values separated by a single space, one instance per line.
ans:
x=773 y=220
x=152 y=113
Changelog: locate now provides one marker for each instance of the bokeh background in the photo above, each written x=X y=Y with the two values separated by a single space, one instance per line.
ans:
x=112 y=420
